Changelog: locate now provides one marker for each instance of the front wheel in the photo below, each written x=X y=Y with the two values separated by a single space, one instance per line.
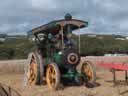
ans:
x=89 y=72
x=53 y=76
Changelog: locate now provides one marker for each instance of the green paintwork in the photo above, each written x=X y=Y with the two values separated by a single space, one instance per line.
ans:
x=46 y=61
x=71 y=75
x=57 y=57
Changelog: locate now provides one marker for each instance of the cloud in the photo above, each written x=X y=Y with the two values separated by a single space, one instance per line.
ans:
x=104 y=16
x=4 y=28
x=44 y=5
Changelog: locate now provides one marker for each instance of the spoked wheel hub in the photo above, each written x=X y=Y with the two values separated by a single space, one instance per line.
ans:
x=53 y=76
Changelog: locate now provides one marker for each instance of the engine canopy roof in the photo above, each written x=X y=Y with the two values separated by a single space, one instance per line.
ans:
x=57 y=25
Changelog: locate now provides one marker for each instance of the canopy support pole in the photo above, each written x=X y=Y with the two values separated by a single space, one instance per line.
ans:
x=62 y=37
x=79 y=41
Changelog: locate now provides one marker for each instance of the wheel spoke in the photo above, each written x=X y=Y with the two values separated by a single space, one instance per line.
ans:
x=53 y=82
x=54 y=74
x=32 y=72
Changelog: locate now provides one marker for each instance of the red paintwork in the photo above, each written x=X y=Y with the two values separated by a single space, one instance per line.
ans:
x=116 y=66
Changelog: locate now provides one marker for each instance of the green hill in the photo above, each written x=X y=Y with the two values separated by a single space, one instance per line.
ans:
x=90 y=45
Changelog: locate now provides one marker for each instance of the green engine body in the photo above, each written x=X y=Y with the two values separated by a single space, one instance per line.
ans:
x=66 y=56
x=67 y=61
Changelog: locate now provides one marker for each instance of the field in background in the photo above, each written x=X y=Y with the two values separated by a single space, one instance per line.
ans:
x=12 y=66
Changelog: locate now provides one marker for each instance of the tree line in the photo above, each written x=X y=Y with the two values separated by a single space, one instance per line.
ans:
x=20 y=48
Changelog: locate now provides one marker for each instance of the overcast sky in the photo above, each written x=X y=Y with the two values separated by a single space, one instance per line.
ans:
x=104 y=16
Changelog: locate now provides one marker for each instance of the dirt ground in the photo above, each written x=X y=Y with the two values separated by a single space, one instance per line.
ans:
x=105 y=86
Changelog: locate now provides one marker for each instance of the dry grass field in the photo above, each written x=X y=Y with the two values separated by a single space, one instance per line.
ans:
x=12 y=66
x=11 y=74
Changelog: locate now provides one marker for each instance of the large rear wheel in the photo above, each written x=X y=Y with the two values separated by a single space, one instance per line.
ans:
x=53 y=76
x=88 y=70
x=33 y=69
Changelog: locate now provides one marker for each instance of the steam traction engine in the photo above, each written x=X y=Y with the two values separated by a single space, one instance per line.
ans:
x=57 y=55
